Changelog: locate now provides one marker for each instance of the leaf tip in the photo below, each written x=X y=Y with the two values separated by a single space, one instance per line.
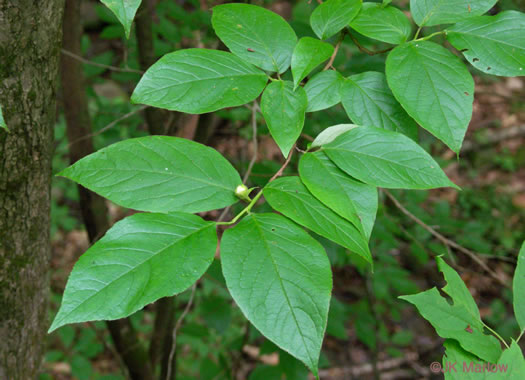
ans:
x=454 y=186
x=57 y=323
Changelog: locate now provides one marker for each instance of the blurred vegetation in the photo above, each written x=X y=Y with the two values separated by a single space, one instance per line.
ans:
x=367 y=323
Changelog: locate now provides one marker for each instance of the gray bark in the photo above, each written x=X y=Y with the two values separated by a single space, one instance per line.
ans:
x=30 y=36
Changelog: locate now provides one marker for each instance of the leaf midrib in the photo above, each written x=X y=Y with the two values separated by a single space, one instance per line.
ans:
x=268 y=250
x=154 y=254
x=197 y=179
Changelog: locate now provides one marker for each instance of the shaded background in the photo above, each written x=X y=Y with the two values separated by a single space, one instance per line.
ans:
x=371 y=334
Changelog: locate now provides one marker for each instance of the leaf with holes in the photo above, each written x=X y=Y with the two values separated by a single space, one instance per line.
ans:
x=291 y=198
x=385 y=159
x=456 y=289
x=198 y=81
x=351 y=199
x=124 y=10
x=332 y=16
x=284 y=111
x=159 y=174
x=141 y=259
x=367 y=100
x=453 y=321
x=434 y=87
x=435 y=12
x=322 y=90
x=281 y=279
x=307 y=55
x=492 y=44
x=382 y=23
x=256 y=35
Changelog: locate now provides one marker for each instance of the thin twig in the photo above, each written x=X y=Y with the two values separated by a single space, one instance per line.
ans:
x=110 y=125
x=519 y=337
x=178 y=324
x=255 y=144
x=255 y=108
x=281 y=170
x=112 y=349
x=362 y=49
x=444 y=239
x=307 y=137
x=496 y=334
x=500 y=135
x=101 y=65
x=337 y=46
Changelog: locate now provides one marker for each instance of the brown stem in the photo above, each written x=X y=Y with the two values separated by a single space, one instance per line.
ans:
x=133 y=354
x=176 y=329
x=254 y=110
x=101 y=65
x=281 y=170
x=164 y=312
x=336 y=50
x=155 y=117
x=362 y=49
x=447 y=242
x=94 y=210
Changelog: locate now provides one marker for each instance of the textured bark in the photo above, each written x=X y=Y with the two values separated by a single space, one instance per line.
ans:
x=30 y=33
x=94 y=209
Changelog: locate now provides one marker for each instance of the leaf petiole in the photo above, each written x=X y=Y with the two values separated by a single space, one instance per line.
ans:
x=519 y=337
x=496 y=334
x=429 y=36
x=246 y=210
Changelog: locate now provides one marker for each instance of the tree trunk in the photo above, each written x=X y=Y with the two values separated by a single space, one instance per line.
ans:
x=30 y=34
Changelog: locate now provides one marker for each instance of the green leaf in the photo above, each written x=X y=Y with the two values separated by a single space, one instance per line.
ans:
x=284 y=111
x=511 y=364
x=518 y=288
x=307 y=55
x=455 y=354
x=455 y=322
x=382 y=23
x=198 y=81
x=456 y=289
x=141 y=259
x=367 y=100
x=323 y=90
x=2 y=121
x=492 y=44
x=159 y=174
x=330 y=134
x=351 y=199
x=385 y=159
x=256 y=35
x=290 y=197
x=434 y=87
x=124 y=10
x=435 y=12
x=281 y=279
x=332 y=16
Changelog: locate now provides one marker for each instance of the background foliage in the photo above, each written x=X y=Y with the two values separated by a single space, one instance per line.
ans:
x=367 y=322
